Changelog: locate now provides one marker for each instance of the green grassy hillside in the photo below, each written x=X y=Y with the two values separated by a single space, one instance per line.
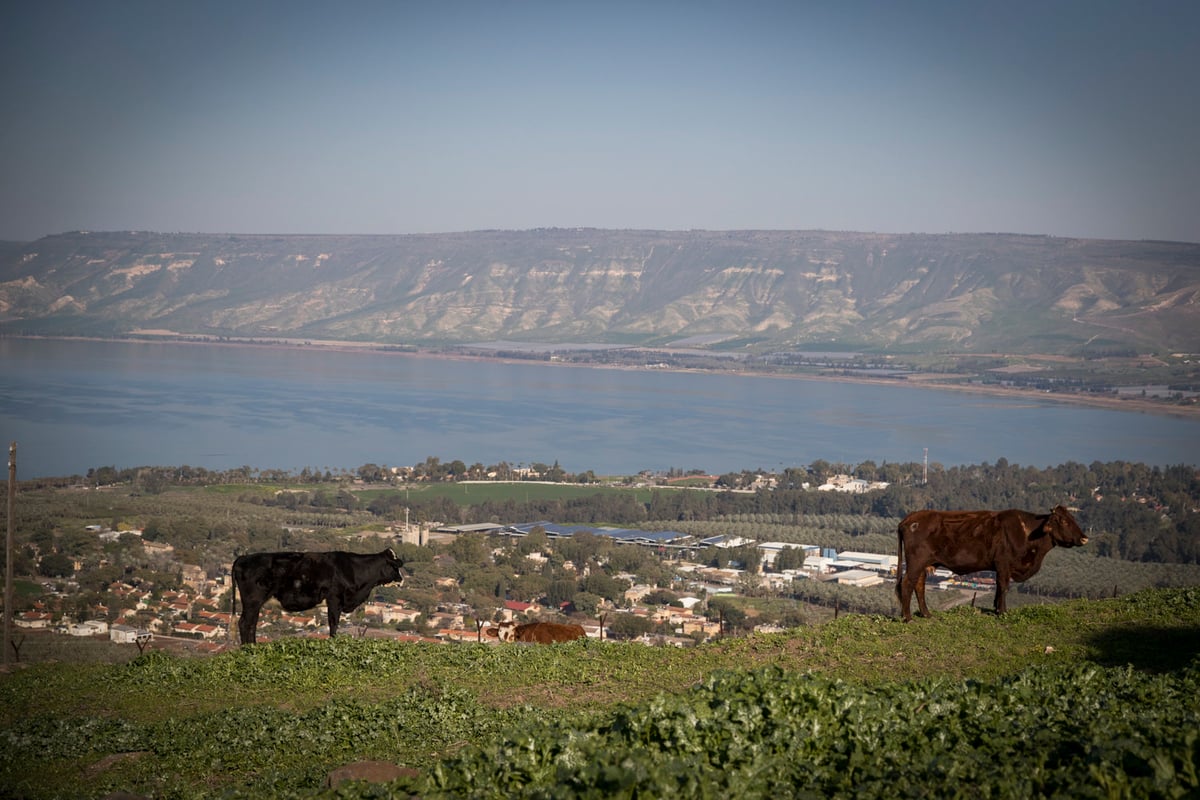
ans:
x=1085 y=698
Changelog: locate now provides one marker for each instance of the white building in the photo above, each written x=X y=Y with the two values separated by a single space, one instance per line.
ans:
x=873 y=561
x=845 y=483
x=127 y=634
x=93 y=627
x=770 y=550
x=859 y=577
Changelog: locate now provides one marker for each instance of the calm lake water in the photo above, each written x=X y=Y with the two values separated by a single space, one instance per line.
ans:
x=73 y=405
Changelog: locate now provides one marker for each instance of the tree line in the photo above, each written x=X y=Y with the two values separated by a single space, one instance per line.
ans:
x=1142 y=513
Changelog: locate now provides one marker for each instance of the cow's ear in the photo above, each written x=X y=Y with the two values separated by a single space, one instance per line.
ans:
x=1040 y=530
x=1050 y=527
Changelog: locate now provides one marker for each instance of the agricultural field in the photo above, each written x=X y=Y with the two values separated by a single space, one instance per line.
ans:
x=1086 y=698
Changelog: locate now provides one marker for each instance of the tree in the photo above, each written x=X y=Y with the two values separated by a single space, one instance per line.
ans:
x=371 y=473
x=748 y=557
x=628 y=626
x=582 y=547
x=562 y=590
x=536 y=541
x=659 y=597
x=789 y=558
x=588 y=603
x=529 y=587
x=730 y=615
x=608 y=587
x=56 y=565
x=468 y=549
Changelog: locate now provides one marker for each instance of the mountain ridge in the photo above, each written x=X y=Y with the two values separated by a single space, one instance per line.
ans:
x=753 y=290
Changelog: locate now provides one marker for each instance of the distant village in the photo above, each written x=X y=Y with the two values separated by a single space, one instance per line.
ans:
x=197 y=613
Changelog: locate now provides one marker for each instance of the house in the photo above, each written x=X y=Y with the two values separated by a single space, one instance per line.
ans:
x=298 y=620
x=724 y=577
x=845 y=483
x=198 y=630
x=34 y=620
x=192 y=575
x=179 y=609
x=215 y=617
x=635 y=594
x=442 y=619
x=93 y=627
x=858 y=577
x=776 y=581
x=389 y=613
x=514 y=608
x=113 y=536
x=127 y=634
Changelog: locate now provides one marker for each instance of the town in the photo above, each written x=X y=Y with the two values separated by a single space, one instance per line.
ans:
x=144 y=555
x=684 y=609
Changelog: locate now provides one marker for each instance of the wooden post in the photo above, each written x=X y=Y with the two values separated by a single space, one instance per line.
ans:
x=8 y=551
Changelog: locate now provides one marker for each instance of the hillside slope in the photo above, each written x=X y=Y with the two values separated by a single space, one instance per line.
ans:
x=766 y=289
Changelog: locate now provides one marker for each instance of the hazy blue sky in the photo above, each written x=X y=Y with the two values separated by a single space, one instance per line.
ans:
x=1066 y=118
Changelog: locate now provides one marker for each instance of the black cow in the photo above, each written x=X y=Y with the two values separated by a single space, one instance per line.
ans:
x=1012 y=542
x=302 y=580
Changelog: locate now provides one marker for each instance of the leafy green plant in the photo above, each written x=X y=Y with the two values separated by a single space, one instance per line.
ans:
x=1044 y=701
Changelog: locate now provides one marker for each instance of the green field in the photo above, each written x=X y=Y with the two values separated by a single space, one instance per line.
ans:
x=1080 y=699
x=466 y=494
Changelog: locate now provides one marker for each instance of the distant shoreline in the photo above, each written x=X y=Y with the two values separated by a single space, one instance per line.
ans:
x=917 y=381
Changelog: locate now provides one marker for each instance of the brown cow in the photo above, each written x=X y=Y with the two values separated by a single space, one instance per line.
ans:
x=1012 y=542
x=539 y=632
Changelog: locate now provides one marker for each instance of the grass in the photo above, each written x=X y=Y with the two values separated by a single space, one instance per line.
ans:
x=177 y=726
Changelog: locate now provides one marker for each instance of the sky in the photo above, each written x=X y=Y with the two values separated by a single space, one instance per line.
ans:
x=1060 y=117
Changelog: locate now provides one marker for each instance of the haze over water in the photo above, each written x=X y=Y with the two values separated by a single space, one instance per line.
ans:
x=74 y=405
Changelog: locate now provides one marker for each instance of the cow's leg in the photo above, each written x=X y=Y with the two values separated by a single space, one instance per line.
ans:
x=921 y=594
x=248 y=621
x=335 y=610
x=904 y=590
x=1002 y=581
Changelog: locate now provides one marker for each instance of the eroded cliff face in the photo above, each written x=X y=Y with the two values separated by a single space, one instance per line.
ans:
x=771 y=288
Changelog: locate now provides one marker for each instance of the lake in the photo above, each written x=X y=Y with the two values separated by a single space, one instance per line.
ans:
x=74 y=405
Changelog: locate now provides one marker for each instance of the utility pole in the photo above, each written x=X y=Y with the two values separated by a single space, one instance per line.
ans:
x=8 y=551
x=925 y=470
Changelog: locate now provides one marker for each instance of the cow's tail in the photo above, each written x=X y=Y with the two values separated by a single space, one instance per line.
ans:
x=232 y=606
x=899 y=557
